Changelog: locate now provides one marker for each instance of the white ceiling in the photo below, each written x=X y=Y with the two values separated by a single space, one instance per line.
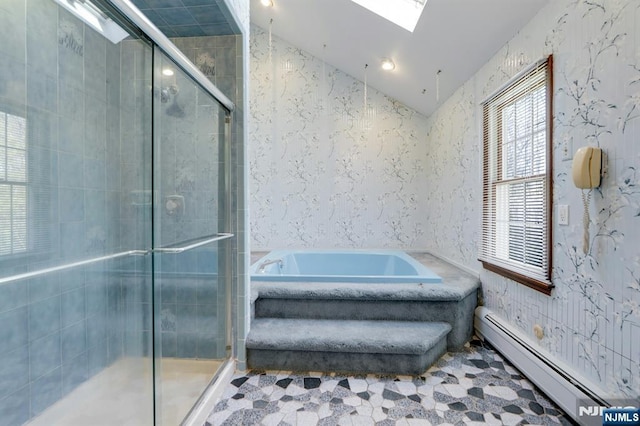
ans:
x=455 y=36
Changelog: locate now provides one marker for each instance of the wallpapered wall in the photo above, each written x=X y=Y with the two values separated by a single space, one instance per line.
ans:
x=324 y=173
x=592 y=319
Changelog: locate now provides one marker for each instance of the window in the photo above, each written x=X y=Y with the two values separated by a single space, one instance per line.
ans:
x=404 y=13
x=13 y=184
x=516 y=214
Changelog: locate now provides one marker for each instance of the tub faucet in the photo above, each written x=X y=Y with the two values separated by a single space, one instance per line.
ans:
x=266 y=263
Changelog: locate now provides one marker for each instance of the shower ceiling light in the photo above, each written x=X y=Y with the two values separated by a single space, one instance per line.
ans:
x=168 y=72
x=388 y=65
x=88 y=13
x=267 y=3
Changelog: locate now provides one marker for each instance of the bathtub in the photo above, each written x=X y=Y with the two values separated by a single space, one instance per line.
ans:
x=333 y=285
x=342 y=266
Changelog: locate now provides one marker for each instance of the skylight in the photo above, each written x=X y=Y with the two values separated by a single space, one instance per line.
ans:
x=404 y=13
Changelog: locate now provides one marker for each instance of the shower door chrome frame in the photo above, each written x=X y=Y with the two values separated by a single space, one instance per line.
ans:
x=225 y=251
x=130 y=12
x=150 y=30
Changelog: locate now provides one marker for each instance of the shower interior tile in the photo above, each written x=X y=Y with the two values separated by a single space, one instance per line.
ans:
x=44 y=318
x=12 y=74
x=187 y=345
x=190 y=3
x=69 y=279
x=71 y=204
x=96 y=333
x=206 y=320
x=44 y=355
x=74 y=373
x=228 y=41
x=45 y=391
x=188 y=30
x=186 y=318
x=72 y=239
x=42 y=287
x=71 y=134
x=73 y=341
x=13 y=295
x=14 y=409
x=157 y=4
x=94 y=173
x=207 y=291
x=70 y=171
x=42 y=128
x=72 y=306
x=14 y=370
x=13 y=23
x=208 y=14
x=97 y=358
x=177 y=16
x=42 y=89
x=208 y=348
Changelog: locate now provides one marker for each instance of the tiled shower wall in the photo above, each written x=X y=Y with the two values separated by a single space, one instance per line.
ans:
x=186 y=303
x=224 y=60
x=592 y=320
x=59 y=329
x=325 y=172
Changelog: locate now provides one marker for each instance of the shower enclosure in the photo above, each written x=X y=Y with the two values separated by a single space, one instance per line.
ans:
x=115 y=238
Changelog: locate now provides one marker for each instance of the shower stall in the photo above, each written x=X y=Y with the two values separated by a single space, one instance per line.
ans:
x=116 y=239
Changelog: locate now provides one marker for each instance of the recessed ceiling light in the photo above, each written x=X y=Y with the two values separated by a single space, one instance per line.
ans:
x=267 y=3
x=168 y=72
x=388 y=65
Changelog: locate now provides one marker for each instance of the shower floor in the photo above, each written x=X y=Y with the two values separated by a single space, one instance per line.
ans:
x=122 y=394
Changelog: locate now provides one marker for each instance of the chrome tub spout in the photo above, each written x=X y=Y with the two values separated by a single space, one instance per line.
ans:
x=266 y=263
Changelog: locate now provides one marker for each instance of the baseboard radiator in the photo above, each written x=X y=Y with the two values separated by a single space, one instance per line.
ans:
x=557 y=380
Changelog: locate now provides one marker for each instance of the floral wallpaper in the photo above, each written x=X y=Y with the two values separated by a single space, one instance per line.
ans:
x=327 y=172
x=592 y=319
x=328 y=168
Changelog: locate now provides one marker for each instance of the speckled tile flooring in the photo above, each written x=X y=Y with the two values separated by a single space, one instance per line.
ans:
x=471 y=387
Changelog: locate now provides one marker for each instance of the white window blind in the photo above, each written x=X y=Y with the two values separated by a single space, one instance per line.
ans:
x=13 y=184
x=517 y=178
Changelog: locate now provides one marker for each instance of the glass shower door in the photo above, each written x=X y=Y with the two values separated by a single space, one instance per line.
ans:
x=75 y=220
x=189 y=240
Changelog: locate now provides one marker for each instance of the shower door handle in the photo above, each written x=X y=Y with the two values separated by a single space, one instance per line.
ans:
x=207 y=240
x=72 y=265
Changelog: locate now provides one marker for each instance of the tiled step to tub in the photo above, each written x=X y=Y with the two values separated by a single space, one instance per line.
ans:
x=394 y=347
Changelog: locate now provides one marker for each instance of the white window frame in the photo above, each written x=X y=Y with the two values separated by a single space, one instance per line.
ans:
x=517 y=178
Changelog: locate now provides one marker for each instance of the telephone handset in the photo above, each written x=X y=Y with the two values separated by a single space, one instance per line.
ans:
x=586 y=167
x=587 y=163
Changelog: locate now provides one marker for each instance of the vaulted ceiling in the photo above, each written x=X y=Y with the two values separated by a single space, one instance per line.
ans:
x=454 y=36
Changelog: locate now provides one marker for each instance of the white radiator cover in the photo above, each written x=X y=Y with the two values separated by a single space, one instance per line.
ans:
x=556 y=379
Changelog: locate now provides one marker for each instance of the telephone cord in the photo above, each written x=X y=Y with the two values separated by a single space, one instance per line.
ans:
x=585 y=219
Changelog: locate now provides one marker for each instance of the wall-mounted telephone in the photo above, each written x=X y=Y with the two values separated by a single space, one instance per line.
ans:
x=586 y=169
x=587 y=164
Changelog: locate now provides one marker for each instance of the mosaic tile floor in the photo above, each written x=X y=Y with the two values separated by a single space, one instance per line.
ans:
x=471 y=387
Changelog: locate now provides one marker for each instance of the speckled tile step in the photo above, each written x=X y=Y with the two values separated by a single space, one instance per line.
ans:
x=341 y=345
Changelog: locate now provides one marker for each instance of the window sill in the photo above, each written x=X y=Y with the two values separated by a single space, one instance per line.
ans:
x=541 y=286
